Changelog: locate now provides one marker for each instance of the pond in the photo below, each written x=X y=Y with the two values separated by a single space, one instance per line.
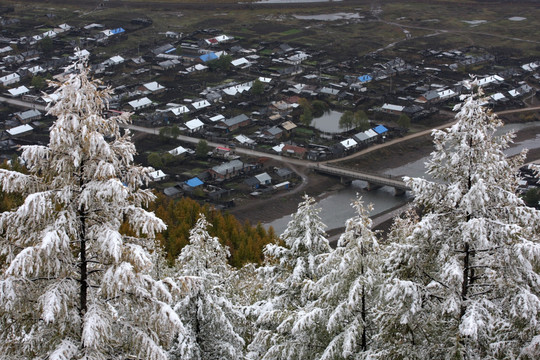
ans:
x=330 y=17
x=329 y=122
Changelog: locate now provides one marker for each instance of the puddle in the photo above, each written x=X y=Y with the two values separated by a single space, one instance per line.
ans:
x=517 y=18
x=330 y=17
x=474 y=22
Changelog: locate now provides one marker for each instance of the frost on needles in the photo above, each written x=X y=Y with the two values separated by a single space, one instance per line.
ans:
x=72 y=286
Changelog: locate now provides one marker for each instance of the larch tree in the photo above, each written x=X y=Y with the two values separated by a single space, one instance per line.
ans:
x=72 y=286
x=344 y=295
x=464 y=278
x=213 y=322
x=291 y=270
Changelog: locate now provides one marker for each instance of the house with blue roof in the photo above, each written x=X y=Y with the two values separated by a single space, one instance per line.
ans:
x=365 y=78
x=380 y=129
x=208 y=57
x=194 y=182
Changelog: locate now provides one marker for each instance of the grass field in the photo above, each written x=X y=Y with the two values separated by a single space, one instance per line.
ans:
x=438 y=24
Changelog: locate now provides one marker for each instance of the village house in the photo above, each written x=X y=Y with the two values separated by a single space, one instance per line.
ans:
x=27 y=116
x=348 y=144
x=10 y=79
x=294 y=151
x=140 y=104
x=19 y=91
x=157 y=175
x=235 y=123
x=392 y=109
x=274 y=133
x=152 y=87
x=227 y=170
x=194 y=126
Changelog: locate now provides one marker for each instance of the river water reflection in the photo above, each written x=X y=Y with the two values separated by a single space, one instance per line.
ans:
x=336 y=209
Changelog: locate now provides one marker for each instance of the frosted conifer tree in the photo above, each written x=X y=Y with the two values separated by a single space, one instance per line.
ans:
x=344 y=295
x=72 y=286
x=464 y=280
x=212 y=322
x=289 y=275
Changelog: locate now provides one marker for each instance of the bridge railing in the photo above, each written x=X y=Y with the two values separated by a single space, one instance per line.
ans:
x=381 y=179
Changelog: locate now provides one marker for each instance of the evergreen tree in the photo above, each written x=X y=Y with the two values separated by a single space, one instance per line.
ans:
x=464 y=279
x=291 y=270
x=344 y=295
x=72 y=285
x=208 y=314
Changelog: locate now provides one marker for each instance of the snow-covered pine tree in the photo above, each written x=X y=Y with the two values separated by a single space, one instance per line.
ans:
x=212 y=322
x=464 y=282
x=344 y=295
x=71 y=285
x=291 y=270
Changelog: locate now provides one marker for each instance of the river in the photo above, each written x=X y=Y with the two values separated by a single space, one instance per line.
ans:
x=335 y=209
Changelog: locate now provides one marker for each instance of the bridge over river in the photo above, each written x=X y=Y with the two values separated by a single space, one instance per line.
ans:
x=374 y=181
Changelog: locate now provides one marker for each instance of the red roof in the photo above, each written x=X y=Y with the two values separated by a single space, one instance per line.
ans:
x=223 y=148
x=293 y=99
x=296 y=149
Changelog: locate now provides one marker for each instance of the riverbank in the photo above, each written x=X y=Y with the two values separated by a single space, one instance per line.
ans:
x=321 y=186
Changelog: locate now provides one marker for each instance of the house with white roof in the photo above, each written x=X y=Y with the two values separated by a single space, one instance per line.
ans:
x=241 y=63
x=446 y=94
x=179 y=110
x=81 y=54
x=498 y=97
x=178 y=151
x=487 y=81
x=19 y=91
x=50 y=98
x=140 y=103
x=19 y=130
x=392 y=109
x=200 y=104
x=10 y=79
x=35 y=70
x=244 y=140
x=349 y=144
x=5 y=49
x=157 y=175
x=194 y=125
x=217 y=118
x=153 y=87
x=116 y=60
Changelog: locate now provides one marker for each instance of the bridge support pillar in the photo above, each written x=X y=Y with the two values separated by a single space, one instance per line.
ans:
x=399 y=192
x=345 y=180
x=372 y=186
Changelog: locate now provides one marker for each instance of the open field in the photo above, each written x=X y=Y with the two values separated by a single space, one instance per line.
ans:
x=430 y=23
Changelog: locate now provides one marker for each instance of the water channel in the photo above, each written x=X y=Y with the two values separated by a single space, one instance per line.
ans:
x=335 y=208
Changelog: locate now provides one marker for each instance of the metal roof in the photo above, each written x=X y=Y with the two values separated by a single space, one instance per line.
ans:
x=194 y=182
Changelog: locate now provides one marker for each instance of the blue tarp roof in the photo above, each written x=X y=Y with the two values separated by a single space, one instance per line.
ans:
x=194 y=182
x=379 y=129
x=170 y=50
x=364 y=78
x=117 y=31
x=208 y=57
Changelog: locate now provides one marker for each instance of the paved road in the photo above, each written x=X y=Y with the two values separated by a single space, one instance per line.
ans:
x=23 y=104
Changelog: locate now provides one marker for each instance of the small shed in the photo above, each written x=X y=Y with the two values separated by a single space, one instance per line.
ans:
x=264 y=179
x=157 y=175
x=194 y=182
